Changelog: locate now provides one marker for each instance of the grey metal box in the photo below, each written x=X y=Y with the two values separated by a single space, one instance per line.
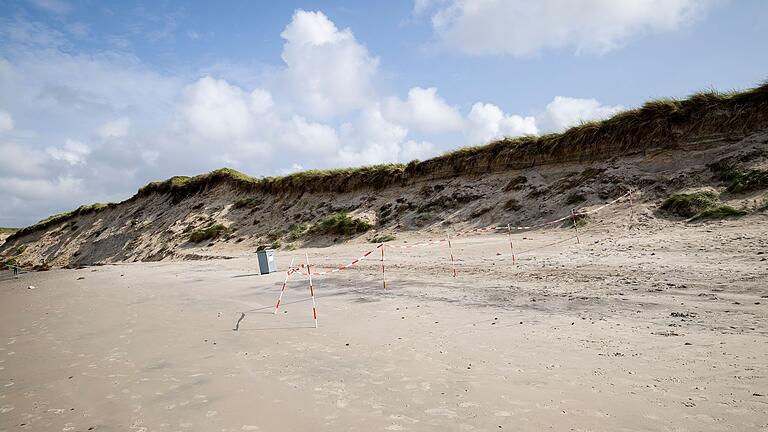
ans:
x=267 y=262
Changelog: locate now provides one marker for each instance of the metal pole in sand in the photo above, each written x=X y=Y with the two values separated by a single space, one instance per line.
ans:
x=287 y=275
x=450 y=248
x=511 y=247
x=573 y=216
x=383 y=275
x=311 y=289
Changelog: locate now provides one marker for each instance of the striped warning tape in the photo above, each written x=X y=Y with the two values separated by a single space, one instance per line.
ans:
x=416 y=244
x=539 y=225
x=301 y=268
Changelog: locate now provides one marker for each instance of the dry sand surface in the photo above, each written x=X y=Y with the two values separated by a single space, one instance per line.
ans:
x=659 y=327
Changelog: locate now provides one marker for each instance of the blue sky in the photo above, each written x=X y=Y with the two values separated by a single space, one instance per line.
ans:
x=97 y=98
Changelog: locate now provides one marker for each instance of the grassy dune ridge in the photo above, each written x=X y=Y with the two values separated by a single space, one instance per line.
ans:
x=658 y=123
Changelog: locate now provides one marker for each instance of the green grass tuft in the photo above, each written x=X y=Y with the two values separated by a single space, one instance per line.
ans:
x=8 y=230
x=245 y=202
x=740 y=179
x=581 y=220
x=8 y=263
x=748 y=180
x=340 y=224
x=516 y=183
x=297 y=231
x=574 y=198
x=512 y=205
x=762 y=205
x=690 y=204
x=382 y=238
x=719 y=212
x=208 y=233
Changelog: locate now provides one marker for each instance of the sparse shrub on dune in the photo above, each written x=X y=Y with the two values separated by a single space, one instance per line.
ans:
x=516 y=183
x=763 y=204
x=512 y=205
x=382 y=238
x=245 y=202
x=740 y=179
x=748 y=180
x=208 y=233
x=689 y=204
x=580 y=220
x=340 y=224
x=7 y=263
x=574 y=198
x=423 y=218
x=297 y=231
x=719 y=212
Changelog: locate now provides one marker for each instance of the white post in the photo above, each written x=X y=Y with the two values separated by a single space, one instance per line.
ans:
x=511 y=247
x=450 y=248
x=287 y=275
x=573 y=216
x=311 y=289
x=383 y=275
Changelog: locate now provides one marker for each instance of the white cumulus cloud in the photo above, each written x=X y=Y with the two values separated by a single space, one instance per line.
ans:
x=73 y=152
x=524 y=28
x=114 y=129
x=215 y=109
x=6 y=121
x=327 y=70
x=564 y=112
x=372 y=139
x=53 y=6
x=487 y=122
x=425 y=111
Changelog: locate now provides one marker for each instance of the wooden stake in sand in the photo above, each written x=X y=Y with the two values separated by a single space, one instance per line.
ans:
x=311 y=290
x=573 y=216
x=511 y=247
x=631 y=209
x=287 y=275
x=383 y=276
x=450 y=248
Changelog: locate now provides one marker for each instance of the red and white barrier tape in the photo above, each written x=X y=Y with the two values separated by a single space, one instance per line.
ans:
x=311 y=290
x=301 y=267
x=285 y=282
x=539 y=225
x=508 y=228
x=430 y=243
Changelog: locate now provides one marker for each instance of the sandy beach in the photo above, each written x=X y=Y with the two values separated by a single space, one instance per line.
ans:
x=654 y=328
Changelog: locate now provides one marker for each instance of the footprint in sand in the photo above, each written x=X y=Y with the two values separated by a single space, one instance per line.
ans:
x=249 y=428
x=395 y=427
x=6 y=408
x=441 y=412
